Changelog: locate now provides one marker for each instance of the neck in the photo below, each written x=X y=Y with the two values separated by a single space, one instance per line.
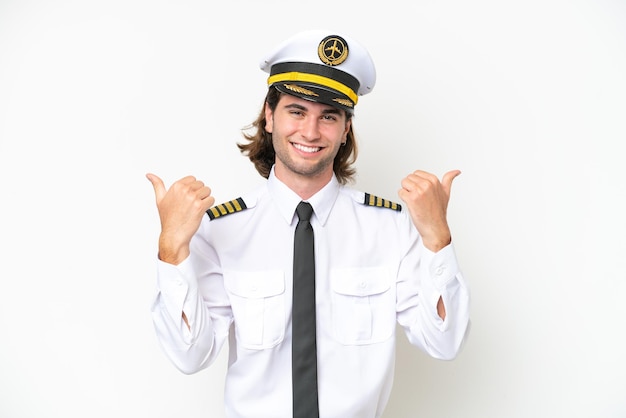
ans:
x=303 y=185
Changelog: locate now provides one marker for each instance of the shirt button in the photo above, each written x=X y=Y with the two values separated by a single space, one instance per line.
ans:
x=363 y=285
x=439 y=270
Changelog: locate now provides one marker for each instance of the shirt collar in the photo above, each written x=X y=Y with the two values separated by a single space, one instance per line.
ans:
x=286 y=199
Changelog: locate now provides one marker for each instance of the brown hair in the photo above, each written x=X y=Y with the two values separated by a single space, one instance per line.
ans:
x=260 y=150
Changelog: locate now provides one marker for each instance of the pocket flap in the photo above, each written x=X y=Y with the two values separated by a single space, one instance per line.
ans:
x=361 y=281
x=255 y=284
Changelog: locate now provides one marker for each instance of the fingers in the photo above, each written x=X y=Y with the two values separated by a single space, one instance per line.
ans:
x=403 y=194
x=413 y=180
x=418 y=180
x=204 y=194
x=198 y=189
x=190 y=183
x=157 y=184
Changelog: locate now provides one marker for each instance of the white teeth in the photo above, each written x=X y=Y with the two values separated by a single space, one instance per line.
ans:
x=306 y=149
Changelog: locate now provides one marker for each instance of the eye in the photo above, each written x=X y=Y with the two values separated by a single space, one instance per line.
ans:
x=329 y=117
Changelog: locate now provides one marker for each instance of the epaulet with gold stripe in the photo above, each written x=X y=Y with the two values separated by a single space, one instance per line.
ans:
x=236 y=205
x=371 y=200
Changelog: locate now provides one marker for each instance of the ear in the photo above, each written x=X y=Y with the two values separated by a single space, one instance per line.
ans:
x=269 y=119
x=347 y=129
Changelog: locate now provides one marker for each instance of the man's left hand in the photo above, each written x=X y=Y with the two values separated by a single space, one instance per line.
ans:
x=427 y=199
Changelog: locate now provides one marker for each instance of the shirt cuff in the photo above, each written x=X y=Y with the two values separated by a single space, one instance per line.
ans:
x=443 y=266
x=174 y=283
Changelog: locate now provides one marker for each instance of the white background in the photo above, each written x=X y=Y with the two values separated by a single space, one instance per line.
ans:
x=527 y=98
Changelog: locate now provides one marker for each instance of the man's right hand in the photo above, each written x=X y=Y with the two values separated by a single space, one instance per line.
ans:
x=181 y=209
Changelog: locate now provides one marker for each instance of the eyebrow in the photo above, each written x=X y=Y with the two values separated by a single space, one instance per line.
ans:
x=327 y=111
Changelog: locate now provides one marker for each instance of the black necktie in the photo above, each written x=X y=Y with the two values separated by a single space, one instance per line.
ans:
x=304 y=353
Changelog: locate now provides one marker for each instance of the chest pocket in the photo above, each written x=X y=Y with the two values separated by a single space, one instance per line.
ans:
x=363 y=302
x=258 y=304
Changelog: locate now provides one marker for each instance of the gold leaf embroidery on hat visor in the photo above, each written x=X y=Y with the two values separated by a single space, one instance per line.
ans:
x=300 y=90
x=314 y=78
x=343 y=102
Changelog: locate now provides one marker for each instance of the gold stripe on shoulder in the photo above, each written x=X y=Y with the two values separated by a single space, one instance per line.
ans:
x=371 y=200
x=233 y=206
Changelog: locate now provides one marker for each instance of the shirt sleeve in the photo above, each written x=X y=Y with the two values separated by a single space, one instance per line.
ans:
x=425 y=277
x=178 y=289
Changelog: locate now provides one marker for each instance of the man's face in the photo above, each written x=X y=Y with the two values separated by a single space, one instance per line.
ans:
x=306 y=136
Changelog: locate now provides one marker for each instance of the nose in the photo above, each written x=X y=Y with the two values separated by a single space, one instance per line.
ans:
x=310 y=129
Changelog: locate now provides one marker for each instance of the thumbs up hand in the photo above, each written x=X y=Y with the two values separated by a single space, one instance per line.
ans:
x=181 y=208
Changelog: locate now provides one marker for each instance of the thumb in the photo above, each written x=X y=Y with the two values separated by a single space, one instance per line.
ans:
x=446 y=182
x=157 y=184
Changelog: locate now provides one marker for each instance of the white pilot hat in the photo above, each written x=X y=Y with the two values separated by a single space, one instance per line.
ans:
x=321 y=66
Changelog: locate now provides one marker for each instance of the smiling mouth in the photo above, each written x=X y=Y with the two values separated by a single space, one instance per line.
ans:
x=305 y=148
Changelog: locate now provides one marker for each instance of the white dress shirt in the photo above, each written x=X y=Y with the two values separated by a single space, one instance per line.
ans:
x=372 y=271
